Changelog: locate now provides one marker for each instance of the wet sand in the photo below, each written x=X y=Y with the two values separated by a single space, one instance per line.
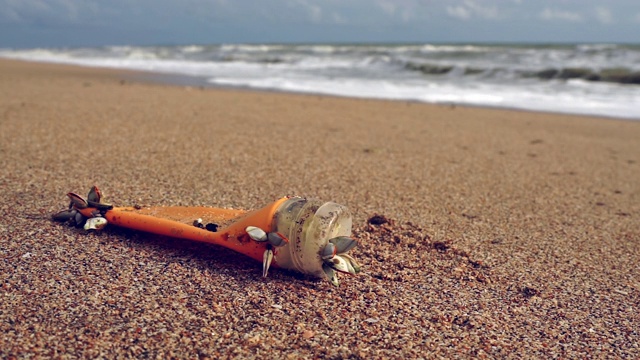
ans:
x=508 y=234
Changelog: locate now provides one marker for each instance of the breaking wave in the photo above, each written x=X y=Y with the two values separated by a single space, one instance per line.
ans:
x=598 y=79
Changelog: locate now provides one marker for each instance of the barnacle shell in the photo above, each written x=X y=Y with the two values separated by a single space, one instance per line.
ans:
x=77 y=200
x=329 y=251
x=266 y=262
x=99 y=206
x=256 y=233
x=65 y=215
x=331 y=274
x=343 y=244
x=79 y=219
x=95 y=223
x=354 y=264
x=277 y=239
x=94 y=194
x=340 y=264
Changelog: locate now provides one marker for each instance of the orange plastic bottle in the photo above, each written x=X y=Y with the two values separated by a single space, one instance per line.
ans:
x=315 y=234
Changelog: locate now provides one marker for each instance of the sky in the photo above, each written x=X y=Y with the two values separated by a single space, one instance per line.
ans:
x=72 y=23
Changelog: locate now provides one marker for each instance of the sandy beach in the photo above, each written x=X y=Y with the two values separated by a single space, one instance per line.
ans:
x=510 y=234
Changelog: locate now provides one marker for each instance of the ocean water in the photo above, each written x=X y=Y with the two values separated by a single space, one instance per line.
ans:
x=592 y=79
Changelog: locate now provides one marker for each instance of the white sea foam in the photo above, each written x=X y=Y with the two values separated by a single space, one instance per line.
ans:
x=524 y=77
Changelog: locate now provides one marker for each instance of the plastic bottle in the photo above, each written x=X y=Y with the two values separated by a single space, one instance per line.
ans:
x=308 y=224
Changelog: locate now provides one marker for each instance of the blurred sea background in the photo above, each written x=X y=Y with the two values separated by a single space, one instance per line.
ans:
x=588 y=79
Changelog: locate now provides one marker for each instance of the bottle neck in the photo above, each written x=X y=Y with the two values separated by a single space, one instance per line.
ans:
x=308 y=224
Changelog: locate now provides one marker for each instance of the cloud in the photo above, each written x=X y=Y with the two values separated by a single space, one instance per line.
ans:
x=338 y=18
x=388 y=7
x=54 y=13
x=8 y=15
x=459 y=12
x=313 y=11
x=470 y=8
x=66 y=9
x=403 y=10
x=553 y=14
x=486 y=12
x=604 y=15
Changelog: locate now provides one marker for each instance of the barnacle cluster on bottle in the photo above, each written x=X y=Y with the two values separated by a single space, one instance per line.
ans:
x=74 y=217
x=273 y=240
x=335 y=258
x=311 y=237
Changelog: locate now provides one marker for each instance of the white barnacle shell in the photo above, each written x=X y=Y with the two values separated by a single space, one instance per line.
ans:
x=354 y=264
x=340 y=264
x=256 y=233
x=95 y=223
x=267 y=258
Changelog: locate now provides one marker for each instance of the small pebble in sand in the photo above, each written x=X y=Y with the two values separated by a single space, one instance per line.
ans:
x=378 y=220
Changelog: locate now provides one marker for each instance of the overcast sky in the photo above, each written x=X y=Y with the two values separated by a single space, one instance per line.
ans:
x=37 y=23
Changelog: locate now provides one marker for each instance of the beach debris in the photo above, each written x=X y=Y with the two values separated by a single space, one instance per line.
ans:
x=74 y=216
x=343 y=244
x=329 y=251
x=65 y=215
x=77 y=201
x=333 y=255
x=99 y=206
x=529 y=292
x=312 y=250
x=266 y=262
x=274 y=239
x=354 y=264
x=79 y=219
x=441 y=246
x=256 y=233
x=378 y=220
x=94 y=199
x=95 y=223
x=331 y=274
x=94 y=194
x=335 y=258
x=209 y=227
